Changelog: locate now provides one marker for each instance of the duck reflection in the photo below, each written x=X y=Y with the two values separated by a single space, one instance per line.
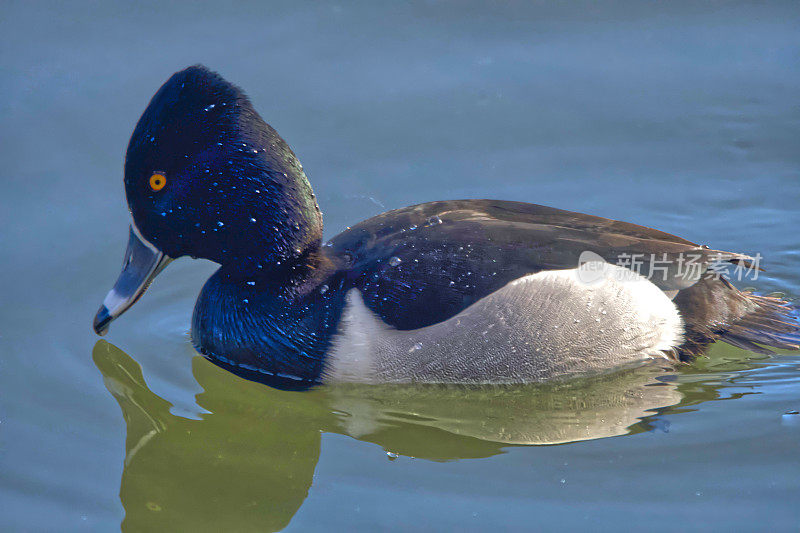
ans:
x=250 y=461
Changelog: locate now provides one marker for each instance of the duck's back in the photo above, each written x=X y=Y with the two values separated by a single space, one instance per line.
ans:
x=420 y=265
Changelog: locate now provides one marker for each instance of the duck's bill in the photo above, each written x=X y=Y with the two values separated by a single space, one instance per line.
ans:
x=141 y=265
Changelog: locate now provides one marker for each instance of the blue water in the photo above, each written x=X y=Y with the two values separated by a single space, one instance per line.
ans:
x=680 y=116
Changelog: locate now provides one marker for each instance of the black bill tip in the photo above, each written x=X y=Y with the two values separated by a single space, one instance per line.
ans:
x=102 y=320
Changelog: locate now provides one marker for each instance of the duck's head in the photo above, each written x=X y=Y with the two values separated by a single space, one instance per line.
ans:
x=205 y=176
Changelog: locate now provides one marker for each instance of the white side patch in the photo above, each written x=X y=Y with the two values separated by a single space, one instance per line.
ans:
x=352 y=359
x=540 y=326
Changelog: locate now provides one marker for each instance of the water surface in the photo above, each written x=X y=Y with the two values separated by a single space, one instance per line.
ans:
x=679 y=116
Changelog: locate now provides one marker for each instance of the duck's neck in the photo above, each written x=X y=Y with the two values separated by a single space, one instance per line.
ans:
x=262 y=315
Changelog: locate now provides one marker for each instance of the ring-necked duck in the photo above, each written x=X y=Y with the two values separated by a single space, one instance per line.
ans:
x=463 y=291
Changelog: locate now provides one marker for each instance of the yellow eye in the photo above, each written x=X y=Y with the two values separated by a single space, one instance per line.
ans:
x=157 y=181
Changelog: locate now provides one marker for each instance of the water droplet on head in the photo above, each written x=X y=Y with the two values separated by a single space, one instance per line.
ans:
x=323 y=289
x=394 y=261
x=252 y=219
x=220 y=223
x=210 y=107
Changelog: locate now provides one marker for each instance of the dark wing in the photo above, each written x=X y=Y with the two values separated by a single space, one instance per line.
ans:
x=420 y=265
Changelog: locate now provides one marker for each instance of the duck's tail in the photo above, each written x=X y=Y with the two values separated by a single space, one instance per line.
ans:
x=713 y=309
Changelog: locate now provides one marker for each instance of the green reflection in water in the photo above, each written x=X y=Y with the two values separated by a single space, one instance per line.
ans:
x=249 y=462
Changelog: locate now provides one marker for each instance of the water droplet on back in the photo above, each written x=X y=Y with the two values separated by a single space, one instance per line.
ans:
x=417 y=346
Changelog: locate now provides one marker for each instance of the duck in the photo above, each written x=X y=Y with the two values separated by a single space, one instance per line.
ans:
x=471 y=291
